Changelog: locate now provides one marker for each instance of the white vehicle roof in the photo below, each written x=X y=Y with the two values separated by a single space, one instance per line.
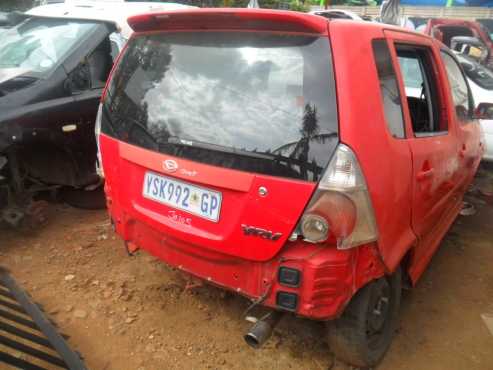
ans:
x=115 y=11
x=348 y=13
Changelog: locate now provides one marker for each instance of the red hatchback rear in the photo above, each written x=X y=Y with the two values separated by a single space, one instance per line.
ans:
x=230 y=153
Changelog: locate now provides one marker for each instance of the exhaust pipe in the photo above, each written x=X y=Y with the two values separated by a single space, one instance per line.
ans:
x=261 y=331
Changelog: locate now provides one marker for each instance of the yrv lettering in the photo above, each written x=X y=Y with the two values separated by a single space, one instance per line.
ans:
x=256 y=231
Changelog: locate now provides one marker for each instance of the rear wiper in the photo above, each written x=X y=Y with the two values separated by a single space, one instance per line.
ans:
x=274 y=155
x=220 y=148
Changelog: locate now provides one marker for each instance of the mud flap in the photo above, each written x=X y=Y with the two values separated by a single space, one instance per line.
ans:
x=25 y=329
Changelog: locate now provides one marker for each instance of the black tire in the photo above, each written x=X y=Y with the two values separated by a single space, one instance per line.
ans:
x=84 y=199
x=362 y=336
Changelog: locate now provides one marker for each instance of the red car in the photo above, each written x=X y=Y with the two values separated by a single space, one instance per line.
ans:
x=446 y=29
x=288 y=158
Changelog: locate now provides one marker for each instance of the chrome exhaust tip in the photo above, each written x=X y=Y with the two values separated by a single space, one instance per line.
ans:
x=261 y=331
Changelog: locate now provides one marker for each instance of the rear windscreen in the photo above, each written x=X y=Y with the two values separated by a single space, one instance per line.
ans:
x=478 y=73
x=255 y=102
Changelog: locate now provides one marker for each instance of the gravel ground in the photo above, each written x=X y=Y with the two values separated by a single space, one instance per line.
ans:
x=135 y=313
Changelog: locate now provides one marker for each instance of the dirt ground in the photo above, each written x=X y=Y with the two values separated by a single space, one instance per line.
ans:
x=134 y=313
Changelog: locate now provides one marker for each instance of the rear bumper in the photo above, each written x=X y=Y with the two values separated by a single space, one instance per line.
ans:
x=328 y=277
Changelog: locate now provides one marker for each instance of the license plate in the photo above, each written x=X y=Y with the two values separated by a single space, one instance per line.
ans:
x=202 y=202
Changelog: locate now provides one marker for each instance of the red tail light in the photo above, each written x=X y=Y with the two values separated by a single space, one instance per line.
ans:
x=337 y=209
x=97 y=132
x=97 y=127
x=115 y=64
x=340 y=211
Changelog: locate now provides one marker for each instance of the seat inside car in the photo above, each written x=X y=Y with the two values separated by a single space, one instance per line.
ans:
x=100 y=62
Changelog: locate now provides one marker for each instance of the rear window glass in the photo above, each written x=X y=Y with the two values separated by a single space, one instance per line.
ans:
x=478 y=73
x=256 y=102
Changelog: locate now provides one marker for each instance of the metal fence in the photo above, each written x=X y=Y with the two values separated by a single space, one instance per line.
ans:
x=423 y=11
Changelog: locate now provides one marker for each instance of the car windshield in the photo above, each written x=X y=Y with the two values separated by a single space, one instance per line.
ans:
x=478 y=73
x=256 y=102
x=37 y=45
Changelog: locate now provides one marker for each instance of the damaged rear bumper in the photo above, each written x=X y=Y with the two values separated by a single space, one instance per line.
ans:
x=311 y=281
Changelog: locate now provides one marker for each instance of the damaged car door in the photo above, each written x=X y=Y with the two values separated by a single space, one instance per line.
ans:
x=52 y=71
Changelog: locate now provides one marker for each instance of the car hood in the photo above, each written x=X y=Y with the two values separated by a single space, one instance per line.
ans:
x=14 y=79
x=7 y=74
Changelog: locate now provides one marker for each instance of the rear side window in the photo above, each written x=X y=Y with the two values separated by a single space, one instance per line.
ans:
x=458 y=87
x=256 y=102
x=389 y=88
x=421 y=90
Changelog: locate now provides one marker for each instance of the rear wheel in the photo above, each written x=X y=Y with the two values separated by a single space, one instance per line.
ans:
x=362 y=335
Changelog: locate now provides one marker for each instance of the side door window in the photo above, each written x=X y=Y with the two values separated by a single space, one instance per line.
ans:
x=94 y=69
x=100 y=62
x=461 y=96
x=421 y=91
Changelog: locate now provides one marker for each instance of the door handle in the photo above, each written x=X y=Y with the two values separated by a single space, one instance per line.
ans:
x=425 y=174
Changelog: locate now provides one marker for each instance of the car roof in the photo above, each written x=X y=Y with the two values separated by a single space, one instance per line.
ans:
x=115 y=12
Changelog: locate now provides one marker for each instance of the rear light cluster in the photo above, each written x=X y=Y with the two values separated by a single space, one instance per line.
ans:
x=97 y=131
x=340 y=211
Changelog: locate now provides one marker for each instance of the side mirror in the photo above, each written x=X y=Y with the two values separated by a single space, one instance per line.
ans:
x=484 y=111
x=79 y=80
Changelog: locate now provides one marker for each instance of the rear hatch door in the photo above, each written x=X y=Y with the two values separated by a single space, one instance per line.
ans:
x=223 y=135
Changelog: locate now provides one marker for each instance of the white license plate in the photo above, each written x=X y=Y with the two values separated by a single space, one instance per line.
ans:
x=177 y=194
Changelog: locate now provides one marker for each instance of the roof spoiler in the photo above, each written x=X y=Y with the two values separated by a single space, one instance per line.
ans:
x=230 y=19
